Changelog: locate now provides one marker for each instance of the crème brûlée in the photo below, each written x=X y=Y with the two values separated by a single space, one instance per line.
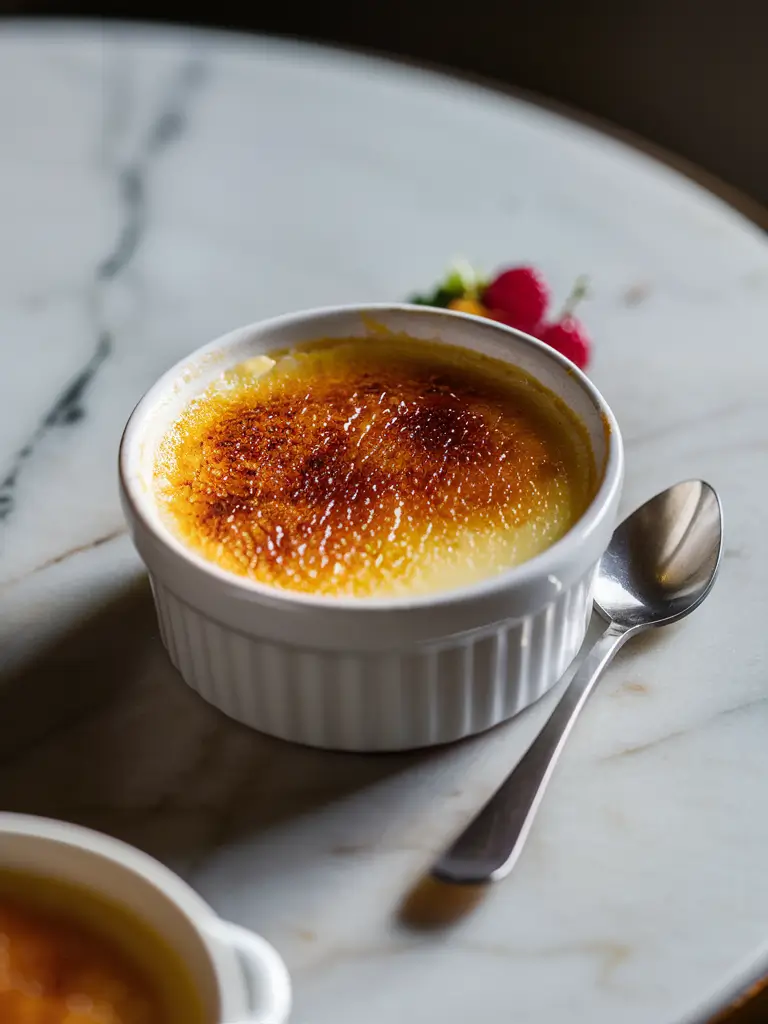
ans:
x=373 y=467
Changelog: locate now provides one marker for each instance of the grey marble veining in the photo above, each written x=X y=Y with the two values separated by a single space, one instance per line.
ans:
x=160 y=187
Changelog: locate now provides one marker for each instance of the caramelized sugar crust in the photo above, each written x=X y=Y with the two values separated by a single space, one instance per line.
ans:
x=56 y=972
x=373 y=467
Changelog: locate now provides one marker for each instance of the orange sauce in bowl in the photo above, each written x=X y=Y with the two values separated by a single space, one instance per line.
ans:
x=68 y=957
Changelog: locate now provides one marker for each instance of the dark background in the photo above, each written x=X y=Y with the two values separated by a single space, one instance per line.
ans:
x=690 y=76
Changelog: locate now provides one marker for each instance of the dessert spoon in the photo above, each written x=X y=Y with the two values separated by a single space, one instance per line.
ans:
x=660 y=565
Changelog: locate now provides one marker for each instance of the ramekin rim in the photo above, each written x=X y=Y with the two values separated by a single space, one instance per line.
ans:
x=540 y=566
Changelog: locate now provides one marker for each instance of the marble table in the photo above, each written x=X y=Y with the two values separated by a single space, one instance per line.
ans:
x=161 y=186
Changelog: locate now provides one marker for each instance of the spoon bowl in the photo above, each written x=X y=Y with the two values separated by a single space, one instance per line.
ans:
x=663 y=559
x=660 y=565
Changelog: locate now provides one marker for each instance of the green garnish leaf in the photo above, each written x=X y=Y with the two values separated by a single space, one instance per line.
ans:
x=461 y=282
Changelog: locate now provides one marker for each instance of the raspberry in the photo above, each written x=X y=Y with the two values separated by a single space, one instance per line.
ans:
x=518 y=297
x=569 y=338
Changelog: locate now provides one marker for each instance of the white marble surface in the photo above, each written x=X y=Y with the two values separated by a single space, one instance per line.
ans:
x=159 y=187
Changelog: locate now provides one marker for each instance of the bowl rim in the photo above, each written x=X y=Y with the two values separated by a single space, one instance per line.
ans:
x=130 y=859
x=515 y=578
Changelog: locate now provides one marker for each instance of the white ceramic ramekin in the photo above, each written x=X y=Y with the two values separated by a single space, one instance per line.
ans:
x=369 y=674
x=239 y=977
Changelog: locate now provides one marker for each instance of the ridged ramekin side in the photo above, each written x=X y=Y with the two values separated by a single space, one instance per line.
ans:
x=373 y=701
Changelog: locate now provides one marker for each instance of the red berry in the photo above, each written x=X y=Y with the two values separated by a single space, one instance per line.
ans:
x=519 y=297
x=569 y=338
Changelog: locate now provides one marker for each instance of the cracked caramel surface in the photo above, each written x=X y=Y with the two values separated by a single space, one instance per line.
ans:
x=374 y=467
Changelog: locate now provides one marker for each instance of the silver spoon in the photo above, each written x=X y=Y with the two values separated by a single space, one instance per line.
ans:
x=660 y=565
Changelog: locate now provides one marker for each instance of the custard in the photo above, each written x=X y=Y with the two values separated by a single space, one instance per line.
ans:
x=373 y=467
x=69 y=957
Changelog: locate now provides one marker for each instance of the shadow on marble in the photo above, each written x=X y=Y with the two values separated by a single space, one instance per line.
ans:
x=75 y=674
x=432 y=905
x=100 y=730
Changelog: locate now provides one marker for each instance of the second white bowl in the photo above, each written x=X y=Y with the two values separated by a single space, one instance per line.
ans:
x=374 y=674
x=238 y=976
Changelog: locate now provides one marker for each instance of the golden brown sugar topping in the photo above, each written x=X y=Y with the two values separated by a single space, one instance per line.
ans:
x=56 y=972
x=374 y=467
x=70 y=956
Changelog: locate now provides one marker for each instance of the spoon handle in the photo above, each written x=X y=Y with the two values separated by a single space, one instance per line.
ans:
x=489 y=846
